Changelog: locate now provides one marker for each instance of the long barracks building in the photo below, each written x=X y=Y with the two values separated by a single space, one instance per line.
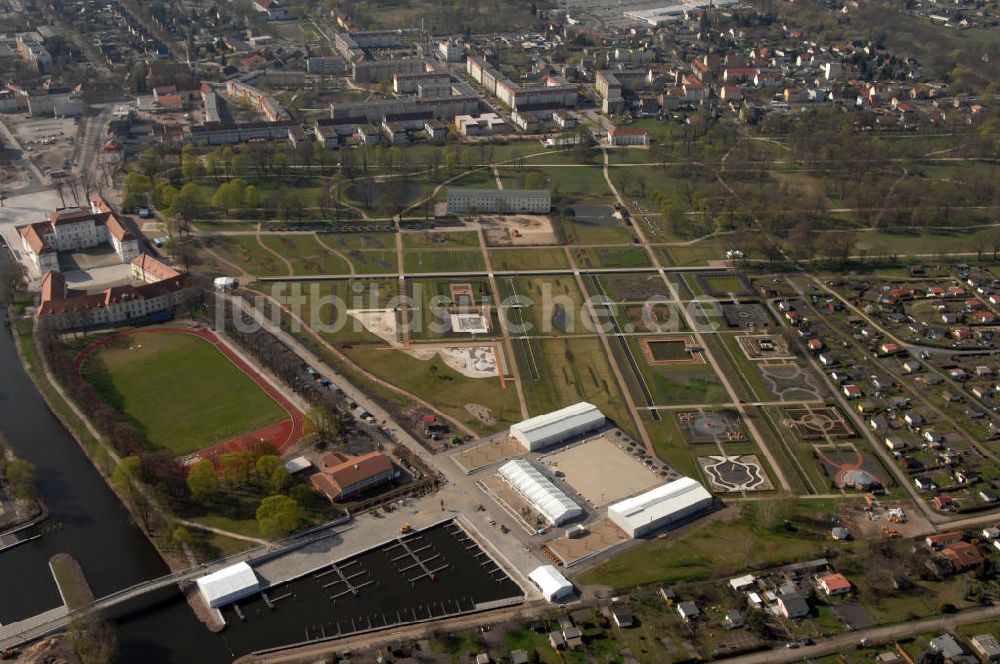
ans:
x=501 y=201
x=550 y=92
x=374 y=111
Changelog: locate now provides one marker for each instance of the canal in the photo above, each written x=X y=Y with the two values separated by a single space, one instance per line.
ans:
x=442 y=572
x=89 y=522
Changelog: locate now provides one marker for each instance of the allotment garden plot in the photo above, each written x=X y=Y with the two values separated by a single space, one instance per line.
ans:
x=659 y=372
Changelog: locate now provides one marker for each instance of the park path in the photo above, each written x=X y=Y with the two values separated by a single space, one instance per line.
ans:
x=335 y=252
x=699 y=337
x=510 y=361
x=220 y=531
x=351 y=364
x=260 y=241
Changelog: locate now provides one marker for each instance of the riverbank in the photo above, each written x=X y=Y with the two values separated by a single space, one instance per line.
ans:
x=82 y=430
x=17 y=512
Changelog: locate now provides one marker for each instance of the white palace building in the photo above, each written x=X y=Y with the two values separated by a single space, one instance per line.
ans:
x=72 y=229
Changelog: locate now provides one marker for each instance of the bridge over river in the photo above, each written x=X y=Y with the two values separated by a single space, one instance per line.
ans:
x=18 y=633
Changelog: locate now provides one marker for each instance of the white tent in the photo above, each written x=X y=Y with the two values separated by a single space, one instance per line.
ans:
x=557 y=426
x=650 y=511
x=228 y=584
x=553 y=585
x=546 y=497
x=225 y=283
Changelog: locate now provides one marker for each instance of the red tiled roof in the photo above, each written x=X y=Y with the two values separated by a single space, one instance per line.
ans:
x=118 y=229
x=628 y=131
x=943 y=537
x=33 y=234
x=69 y=216
x=155 y=267
x=350 y=472
x=963 y=555
x=110 y=296
x=835 y=582
x=53 y=286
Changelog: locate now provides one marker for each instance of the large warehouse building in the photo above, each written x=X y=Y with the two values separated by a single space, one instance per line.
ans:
x=559 y=425
x=544 y=496
x=659 y=507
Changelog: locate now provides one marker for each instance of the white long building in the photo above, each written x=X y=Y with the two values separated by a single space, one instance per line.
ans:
x=502 y=201
x=659 y=507
x=553 y=585
x=547 y=499
x=559 y=425
x=228 y=585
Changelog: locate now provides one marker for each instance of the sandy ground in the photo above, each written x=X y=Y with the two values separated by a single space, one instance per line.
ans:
x=471 y=361
x=380 y=322
x=601 y=471
x=531 y=230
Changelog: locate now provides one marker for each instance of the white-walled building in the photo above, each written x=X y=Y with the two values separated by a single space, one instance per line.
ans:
x=555 y=427
x=32 y=51
x=452 y=49
x=60 y=309
x=71 y=229
x=228 y=585
x=659 y=507
x=628 y=136
x=271 y=9
x=512 y=201
x=547 y=499
x=551 y=582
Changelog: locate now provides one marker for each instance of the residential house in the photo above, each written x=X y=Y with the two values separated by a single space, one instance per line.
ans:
x=833 y=584
x=688 y=611
x=793 y=605
x=987 y=647
x=963 y=556
x=947 y=646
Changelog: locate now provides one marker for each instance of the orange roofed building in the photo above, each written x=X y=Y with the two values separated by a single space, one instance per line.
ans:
x=71 y=229
x=160 y=289
x=342 y=477
x=963 y=556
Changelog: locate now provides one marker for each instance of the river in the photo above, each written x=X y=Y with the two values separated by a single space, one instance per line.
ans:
x=89 y=522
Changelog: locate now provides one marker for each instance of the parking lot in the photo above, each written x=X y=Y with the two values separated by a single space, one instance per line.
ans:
x=49 y=142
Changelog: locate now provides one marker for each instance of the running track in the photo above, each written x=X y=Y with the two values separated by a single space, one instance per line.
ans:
x=282 y=435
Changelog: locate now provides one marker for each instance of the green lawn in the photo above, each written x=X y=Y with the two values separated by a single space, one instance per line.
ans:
x=180 y=391
x=440 y=239
x=247 y=527
x=529 y=258
x=612 y=257
x=457 y=260
x=306 y=254
x=244 y=251
x=559 y=372
x=714 y=549
x=446 y=388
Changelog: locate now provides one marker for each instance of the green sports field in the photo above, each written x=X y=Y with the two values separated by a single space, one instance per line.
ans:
x=180 y=391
